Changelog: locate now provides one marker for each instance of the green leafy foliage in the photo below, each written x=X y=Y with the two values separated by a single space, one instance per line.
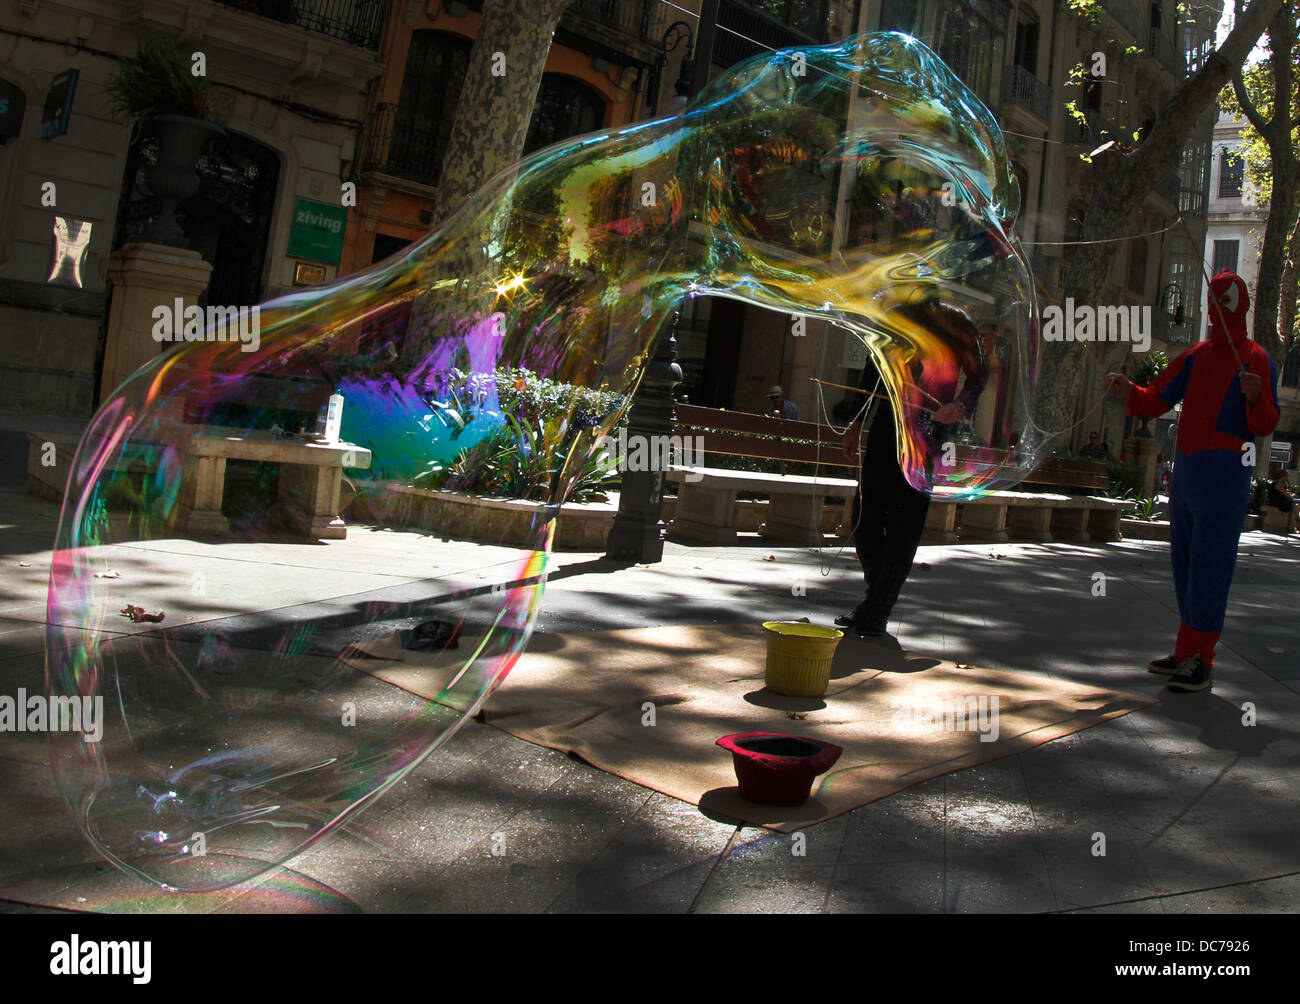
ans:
x=157 y=81
x=543 y=423
x=1148 y=510
x=1125 y=479
x=1146 y=366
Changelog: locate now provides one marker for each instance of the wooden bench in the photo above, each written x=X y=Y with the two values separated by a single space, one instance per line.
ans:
x=1060 y=499
x=706 y=500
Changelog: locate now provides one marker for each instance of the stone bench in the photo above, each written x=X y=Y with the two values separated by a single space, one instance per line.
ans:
x=706 y=511
x=1001 y=516
x=706 y=504
x=310 y=475
x=309 y=487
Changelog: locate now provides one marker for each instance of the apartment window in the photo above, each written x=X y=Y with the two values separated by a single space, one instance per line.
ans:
x=1091 y=94
x=565 y=107
x=1137 y=267
x=436 y=64
x=1025 y=54
x=970 y=42
x=899 y=15
x=1230 y=173
x=1225 y=256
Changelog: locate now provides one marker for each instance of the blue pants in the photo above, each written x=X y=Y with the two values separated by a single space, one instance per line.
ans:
x=1208 y=502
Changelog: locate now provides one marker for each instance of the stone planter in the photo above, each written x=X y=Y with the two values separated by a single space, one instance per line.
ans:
x=1140 y=529
x=507 y=522
x=173 y=177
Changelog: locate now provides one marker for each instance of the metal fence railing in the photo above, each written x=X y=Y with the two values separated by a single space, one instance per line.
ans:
x=357 y=22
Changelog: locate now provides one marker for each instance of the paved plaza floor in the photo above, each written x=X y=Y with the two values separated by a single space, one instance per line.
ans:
x=1199 y=811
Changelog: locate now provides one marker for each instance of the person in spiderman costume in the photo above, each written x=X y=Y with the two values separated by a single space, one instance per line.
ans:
x=1228 y=386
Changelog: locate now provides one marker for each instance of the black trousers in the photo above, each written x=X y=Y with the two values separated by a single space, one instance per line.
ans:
x=889 y=514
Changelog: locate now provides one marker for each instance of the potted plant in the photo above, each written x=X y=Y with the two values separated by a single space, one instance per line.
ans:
x=169 y=106
x=1144 y=369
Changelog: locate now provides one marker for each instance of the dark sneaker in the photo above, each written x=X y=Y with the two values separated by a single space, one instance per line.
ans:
x=1191 y=675
x=871 y=623
x=1165 y=666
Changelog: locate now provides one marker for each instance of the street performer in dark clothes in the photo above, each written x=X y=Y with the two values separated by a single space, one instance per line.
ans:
x=889 y=514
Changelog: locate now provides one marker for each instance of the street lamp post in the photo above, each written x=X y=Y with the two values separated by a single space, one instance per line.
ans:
x=637 y=533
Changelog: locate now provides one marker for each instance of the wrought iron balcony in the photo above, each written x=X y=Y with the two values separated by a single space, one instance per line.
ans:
x=1023 y=88
x=357 y=22
x=400 y=148
x=739 y=23
x=612 y=29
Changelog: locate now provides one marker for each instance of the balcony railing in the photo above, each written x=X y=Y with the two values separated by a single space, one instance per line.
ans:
x=401 y=149
x=1025 y=89
x=631 y=17
x=737 y=19
x=613 y=29
x=357 y=22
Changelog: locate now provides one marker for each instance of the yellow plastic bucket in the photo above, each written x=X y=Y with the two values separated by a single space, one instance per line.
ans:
x=799 y=657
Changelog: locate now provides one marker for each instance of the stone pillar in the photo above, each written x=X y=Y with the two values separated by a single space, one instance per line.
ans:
x=986 y=407
x=1142 y=451
x=145 y=276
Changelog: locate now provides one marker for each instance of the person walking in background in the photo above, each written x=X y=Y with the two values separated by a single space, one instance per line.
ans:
x=780 y=406
x=1228 y=386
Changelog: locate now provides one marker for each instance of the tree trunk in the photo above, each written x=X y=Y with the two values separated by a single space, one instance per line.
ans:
x=496 y=102
x=1286 y=317
x=1122 y=181
x=1286 y=178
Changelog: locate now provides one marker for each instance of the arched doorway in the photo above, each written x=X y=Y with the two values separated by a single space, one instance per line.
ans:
x=228 y=222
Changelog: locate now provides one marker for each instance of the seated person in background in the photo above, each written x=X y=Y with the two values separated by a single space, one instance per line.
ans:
x=1095 y=450
x=1279 y=492
x=779 y=406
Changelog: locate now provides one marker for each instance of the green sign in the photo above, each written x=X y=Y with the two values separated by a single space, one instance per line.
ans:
x=317 y=231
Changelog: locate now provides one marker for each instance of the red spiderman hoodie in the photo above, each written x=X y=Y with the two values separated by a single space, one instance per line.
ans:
x=1216 y=416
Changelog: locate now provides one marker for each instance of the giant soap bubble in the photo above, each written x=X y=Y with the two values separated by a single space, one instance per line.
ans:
x=862 y=184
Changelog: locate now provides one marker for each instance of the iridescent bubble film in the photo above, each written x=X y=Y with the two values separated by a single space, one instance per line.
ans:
x=862 y=184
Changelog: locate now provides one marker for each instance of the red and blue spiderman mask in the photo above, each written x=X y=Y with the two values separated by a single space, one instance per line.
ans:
x=1228 y=303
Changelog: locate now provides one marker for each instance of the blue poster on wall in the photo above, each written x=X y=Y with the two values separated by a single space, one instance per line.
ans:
x=58 y=104
x=12 y=105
